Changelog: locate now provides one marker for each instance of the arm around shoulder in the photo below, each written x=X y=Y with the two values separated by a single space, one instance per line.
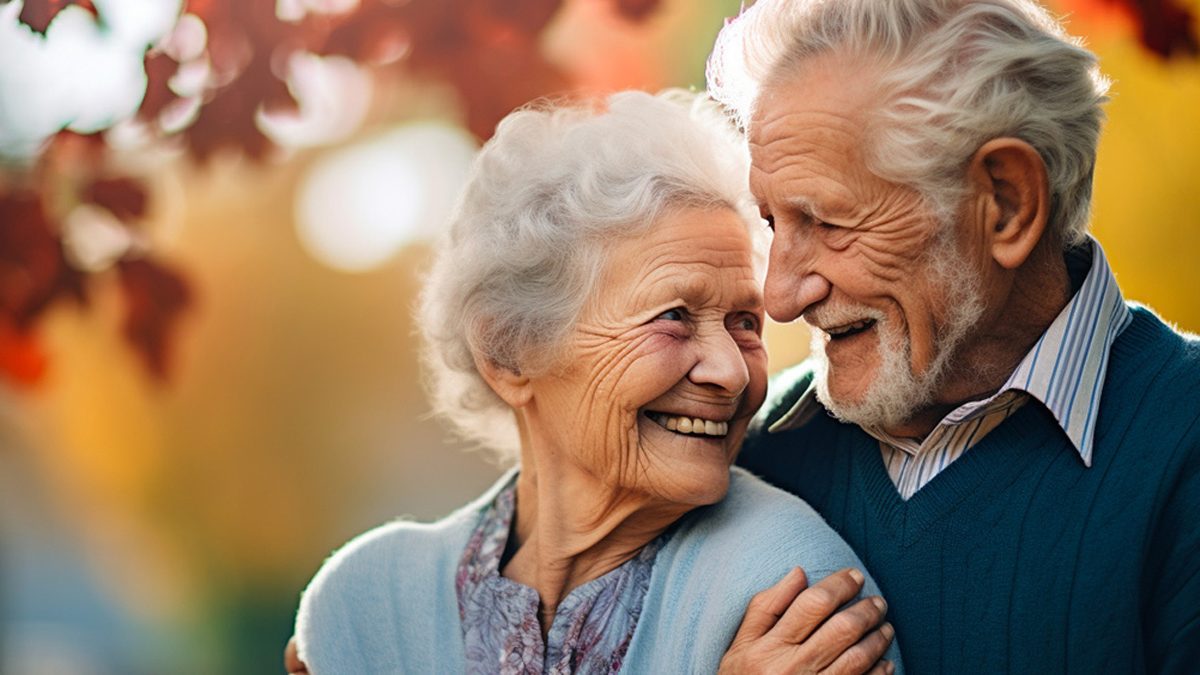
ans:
x=778 y=533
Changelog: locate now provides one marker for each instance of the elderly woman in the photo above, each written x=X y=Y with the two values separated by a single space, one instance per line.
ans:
x=595 y=316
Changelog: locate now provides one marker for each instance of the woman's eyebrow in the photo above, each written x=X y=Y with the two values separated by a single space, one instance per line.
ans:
x=690 y=290
x=696 y=291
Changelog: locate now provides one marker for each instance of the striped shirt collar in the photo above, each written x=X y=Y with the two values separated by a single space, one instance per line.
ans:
x=1064 y=370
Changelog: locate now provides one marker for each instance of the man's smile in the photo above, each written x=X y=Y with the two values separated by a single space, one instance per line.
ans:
x=848 y=329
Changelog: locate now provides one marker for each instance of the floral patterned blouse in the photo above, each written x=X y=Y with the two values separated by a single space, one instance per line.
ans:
x=591 y=630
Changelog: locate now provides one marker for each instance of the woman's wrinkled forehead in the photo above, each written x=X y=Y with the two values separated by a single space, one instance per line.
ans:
x=671 y=261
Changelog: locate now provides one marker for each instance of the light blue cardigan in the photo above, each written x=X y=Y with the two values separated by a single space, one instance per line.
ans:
x=386 y=602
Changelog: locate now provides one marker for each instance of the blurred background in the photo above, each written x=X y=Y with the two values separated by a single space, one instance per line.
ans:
x=213 y=219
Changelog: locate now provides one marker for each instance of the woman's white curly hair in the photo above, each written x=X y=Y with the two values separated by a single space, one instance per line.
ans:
x=527 y=241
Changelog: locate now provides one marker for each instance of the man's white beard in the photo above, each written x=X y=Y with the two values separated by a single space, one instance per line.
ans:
x=896 y=394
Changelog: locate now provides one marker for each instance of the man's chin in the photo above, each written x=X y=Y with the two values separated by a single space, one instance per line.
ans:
x=878 y=398
x=885 y=402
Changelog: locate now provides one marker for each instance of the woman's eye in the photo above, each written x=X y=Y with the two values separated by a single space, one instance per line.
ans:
x=671 y=315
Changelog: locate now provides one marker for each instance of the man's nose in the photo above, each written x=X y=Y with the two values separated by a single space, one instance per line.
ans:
x=720 y=363
x=792 y=286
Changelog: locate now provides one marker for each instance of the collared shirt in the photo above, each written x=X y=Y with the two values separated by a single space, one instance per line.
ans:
x=1064 y=371
x=591 y=630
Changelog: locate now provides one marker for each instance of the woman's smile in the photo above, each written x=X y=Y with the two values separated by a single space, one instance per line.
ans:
x=685 y=424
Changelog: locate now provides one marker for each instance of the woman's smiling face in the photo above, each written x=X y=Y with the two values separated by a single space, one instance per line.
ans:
x=666 y=365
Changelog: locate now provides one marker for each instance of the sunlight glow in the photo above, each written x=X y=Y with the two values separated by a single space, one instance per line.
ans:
x=359 y=205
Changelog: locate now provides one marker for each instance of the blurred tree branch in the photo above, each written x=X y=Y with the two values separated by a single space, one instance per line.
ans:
x=486 y=50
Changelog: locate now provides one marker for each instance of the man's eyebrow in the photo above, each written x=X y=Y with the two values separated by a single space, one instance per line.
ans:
x=751 y=300
x=803 y=205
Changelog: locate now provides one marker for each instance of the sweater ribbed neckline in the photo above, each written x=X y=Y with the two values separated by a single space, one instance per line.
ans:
x=996 y=461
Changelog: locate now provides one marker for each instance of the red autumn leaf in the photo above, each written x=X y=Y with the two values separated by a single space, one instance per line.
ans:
x=22 y=359
x=494 y=80
x=529 y=16
x=481 y=49
x=155 y=298
x=376 y=33
x=1164 y=27
x=440 y=34
x=159 y=70
x=73 y=149
x=247 y=46
x=1167 y=27
x=31 y=259
x=637 y=10
x=229 y=119
x=125 y=198
x=37 y=14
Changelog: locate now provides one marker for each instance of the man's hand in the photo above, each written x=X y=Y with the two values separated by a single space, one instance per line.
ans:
x=291 y=659
x=791 y=628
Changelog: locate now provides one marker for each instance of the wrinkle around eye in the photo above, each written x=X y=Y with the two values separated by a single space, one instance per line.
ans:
x=838 y=237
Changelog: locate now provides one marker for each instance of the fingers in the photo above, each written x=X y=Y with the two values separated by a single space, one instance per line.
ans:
x=866 y=655
x=845 y=629
x=883 y=668
x=767 y=606
x=291 y=659
x=818 y=603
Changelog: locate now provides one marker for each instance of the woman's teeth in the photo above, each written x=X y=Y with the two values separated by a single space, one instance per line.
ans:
x=690 y=425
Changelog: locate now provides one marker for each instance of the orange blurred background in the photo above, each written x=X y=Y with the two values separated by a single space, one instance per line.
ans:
x=169 y=528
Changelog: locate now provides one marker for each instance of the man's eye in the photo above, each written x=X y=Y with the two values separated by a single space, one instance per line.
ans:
x=671 y=315
x=747 y=322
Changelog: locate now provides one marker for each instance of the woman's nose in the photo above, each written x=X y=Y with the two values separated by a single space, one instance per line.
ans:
x=721 y=364
x=792 y=286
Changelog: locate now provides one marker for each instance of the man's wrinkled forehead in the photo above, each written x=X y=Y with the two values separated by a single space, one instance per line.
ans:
x=831 y=82
x=801 y=115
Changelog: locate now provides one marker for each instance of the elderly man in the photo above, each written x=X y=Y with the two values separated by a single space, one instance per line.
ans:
x=1012 y=448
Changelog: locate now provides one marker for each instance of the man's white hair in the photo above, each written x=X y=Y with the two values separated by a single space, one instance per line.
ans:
x=952 y=75
x=525 y=246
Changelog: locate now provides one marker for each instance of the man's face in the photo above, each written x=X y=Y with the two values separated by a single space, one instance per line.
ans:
x=862 y=260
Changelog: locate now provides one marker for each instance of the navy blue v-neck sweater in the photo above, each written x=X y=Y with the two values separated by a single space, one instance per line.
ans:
x=1018 y=558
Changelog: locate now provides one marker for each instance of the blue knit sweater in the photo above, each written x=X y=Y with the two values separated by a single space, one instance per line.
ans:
x=1018 y=558
x=386 y=602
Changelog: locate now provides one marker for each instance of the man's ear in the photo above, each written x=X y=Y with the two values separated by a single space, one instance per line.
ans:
x=1011 y=178
x=508 y=383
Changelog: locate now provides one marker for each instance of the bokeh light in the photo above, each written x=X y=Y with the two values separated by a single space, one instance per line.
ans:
x=362 y=203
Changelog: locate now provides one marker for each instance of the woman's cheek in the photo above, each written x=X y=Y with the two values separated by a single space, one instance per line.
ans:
x=652 y=366
x=662 y=339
